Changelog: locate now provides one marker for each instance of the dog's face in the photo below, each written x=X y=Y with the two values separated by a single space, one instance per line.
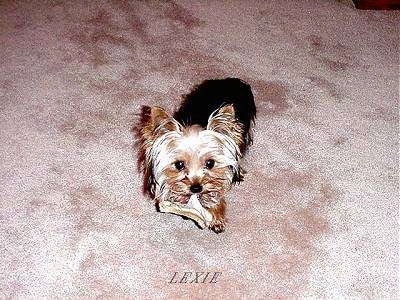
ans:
x=181 y=161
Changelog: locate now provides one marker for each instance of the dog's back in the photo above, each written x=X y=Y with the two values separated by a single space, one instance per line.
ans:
x=210 y=95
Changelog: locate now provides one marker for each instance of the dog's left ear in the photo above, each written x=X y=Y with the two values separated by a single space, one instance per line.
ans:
x=224 y=121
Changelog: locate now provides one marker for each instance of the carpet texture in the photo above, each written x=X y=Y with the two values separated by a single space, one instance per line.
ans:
x=317 y=213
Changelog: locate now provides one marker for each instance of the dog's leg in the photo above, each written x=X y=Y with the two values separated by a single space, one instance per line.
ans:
x=217 y=211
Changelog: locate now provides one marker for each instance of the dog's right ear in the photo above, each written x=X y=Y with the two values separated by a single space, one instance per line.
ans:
x=163 y=122
x=156 y=121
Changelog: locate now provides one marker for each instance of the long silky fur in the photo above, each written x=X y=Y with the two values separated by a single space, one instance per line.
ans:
x=221 y=131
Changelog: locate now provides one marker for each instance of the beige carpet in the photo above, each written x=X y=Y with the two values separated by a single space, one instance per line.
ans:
x=317 y=213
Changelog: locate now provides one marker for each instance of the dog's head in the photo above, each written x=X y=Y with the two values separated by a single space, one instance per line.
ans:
x=179 y=160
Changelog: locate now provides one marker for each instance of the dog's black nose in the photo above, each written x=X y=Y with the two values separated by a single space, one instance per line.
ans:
x=196 y=188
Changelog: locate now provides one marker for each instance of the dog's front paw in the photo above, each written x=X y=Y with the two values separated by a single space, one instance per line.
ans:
x=218 y=226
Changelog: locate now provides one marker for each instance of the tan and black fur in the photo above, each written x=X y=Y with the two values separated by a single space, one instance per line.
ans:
x=185 y=154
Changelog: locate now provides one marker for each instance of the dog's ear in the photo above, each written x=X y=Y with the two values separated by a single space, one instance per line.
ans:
x=157 y=121
x=224 y=121
x=154 y=122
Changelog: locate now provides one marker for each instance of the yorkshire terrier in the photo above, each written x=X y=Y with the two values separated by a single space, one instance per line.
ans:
x=198 y=149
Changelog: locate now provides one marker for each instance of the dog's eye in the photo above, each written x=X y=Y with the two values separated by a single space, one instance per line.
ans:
x=209 y=163
x=179 y=165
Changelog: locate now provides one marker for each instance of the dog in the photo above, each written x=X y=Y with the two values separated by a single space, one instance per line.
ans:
x=198 y=149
